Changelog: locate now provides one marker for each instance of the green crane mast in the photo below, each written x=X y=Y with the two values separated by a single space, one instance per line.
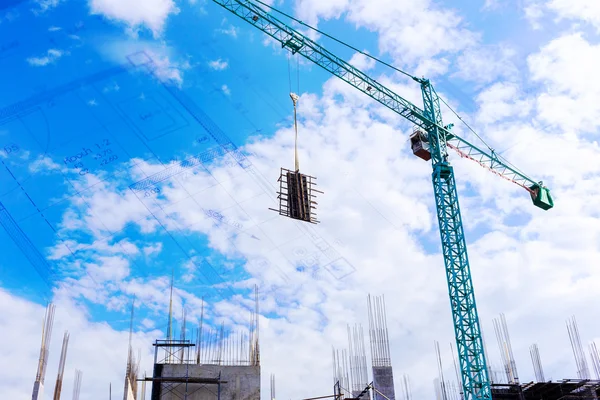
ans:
x=430 y=140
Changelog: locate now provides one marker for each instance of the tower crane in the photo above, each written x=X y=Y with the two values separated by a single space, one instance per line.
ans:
x=430 y=140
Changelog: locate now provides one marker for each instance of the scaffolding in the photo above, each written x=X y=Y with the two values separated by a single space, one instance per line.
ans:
x=176 y=351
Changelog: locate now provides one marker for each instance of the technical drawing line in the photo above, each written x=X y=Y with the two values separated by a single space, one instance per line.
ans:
x=48 y=95
x=176 y=169
x=213 y=130
x=35 y=205
x=220 y=137
x=9 y=4
x=210 y=278
x=37 y=260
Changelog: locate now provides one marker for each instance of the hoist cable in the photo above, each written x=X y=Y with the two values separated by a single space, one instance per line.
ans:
x=296 y=162
x=336 y=40
x=381 y=62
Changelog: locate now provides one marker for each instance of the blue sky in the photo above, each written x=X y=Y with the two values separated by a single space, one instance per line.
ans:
x=116 y=120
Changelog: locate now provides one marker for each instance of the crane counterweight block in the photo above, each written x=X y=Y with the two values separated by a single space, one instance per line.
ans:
x=541 y=197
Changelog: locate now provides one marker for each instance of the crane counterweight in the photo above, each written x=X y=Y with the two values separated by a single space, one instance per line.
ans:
x=540 y=195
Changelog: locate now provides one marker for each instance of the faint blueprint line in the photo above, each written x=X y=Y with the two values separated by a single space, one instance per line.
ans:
x=37 y=260
x=4 y=4
x=180 y=167
x=48 y=95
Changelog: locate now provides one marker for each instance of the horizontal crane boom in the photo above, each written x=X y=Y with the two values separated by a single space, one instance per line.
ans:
x=295 y=42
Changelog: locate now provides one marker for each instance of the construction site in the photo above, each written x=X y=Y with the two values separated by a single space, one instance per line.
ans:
x=208 y=363
x=192 y=209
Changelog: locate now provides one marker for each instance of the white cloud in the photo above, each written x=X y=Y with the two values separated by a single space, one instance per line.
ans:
x=96 y=349
x=486 y=64
x=151 y=14
x=218 y=65
x=426 y=31
x=534 y=11
x=52 y=55
x=570 y=96
x=165 y=63
x=491 y=5
x=230 y=31
x=153 y=249
x=43 y=164
x=45 y=5
x=378 y=206
x=362 y=62
x=584 y=10
x=501 y=101
x=226 y=90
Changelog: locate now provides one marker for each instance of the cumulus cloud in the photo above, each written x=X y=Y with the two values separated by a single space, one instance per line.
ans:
x=584 y=10
x=502 y=100
x=226 y=90
x=45 y=5
x=570 y=96
x=44 y=164
x=151 y=14
x=486 y=64
x=90 y=344
x=426 y=30
x=166 y=64
x=218 y=65
x=52 y=55
x=377 y=212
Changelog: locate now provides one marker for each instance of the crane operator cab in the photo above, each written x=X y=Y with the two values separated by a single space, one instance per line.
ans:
x=419 y=144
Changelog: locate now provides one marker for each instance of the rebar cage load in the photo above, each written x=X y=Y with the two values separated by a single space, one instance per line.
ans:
x=296 y=196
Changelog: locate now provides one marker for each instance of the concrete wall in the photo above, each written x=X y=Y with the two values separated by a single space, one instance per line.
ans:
x=383 y=380
x=243 y=382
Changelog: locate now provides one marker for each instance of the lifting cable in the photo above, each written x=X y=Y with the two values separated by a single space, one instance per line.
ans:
x=336 y=40
x=295 y=98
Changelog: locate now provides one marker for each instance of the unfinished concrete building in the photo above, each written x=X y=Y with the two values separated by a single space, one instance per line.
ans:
x=216 y=364
x=383 y=376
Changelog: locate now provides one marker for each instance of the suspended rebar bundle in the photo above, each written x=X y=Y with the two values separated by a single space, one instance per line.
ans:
x=61 y=367
x=508 y=360
x=378 y=332
x=296 y=197
x=537 y=363
x=47 y=323
x=595 y=359
x=580 y=359
x=77 y=384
